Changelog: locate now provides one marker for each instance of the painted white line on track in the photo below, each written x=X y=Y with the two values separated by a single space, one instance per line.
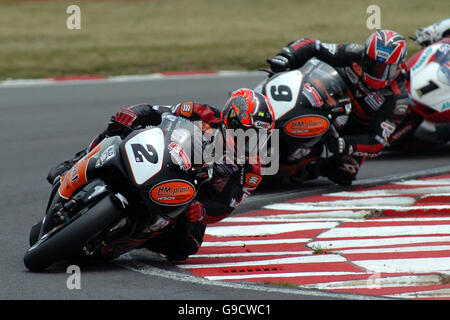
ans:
x=251 y=254
x=383 y=231
x=413 y=265
x=385 y=282
x=267 y=229
x=243 y=243
x=298 y=206
x=304 y=217
x=310 y=217
x=391 y=241
x=430 y=182
x=386 y=192
x=395 y=250
x=444 y=293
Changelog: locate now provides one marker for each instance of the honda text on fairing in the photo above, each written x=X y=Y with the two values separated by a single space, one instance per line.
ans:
x=120 y=195
x=428 y=122
x=309 y=103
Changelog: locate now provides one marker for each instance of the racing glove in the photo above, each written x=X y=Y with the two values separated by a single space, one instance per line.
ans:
x=122 y=123
x=195 y=211
x=282 y=61
x=125 y=117
x=425 y=36
x=338 y=145
x=433 y=33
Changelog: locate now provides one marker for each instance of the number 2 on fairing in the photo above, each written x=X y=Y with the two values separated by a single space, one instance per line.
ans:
x=145 y=153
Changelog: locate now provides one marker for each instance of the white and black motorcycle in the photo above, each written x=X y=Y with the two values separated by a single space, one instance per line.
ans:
x=428 y=122
x=309 y=103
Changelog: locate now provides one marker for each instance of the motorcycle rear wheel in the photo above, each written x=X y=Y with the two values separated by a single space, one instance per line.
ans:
x=62 y=242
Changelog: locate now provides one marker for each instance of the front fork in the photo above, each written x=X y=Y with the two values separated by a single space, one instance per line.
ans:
x=60 y=210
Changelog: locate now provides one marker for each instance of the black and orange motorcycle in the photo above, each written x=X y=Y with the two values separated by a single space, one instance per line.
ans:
x=119 y=196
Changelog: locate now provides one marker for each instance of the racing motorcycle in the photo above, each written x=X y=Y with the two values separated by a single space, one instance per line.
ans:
x=120 y=195
x=309 y=103
x=428 y=122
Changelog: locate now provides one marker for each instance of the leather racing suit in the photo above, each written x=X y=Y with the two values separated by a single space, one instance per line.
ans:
x=375 y=115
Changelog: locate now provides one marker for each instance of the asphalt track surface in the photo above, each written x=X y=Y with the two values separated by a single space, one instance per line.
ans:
x=43 y=125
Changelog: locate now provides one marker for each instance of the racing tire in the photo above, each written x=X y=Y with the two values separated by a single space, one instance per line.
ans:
x=34 y=233
x=65 y=241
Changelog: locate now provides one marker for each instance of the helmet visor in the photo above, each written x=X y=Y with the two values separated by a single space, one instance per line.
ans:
x=379 y=70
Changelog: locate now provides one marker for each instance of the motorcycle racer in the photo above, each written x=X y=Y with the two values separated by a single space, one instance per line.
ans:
x=427 y=123
x=231 y=181
x=375 y=76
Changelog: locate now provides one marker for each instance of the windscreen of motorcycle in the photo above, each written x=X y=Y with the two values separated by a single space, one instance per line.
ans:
x=322 y=85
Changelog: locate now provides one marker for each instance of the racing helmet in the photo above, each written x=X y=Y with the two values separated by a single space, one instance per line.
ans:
x=383 y=58
x=247 y=121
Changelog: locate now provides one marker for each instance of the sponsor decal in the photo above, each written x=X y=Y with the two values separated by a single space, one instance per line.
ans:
x=401 y=109
x=312 y=95
x=424 y=57
x=261 y=124
x=252 y=179
x=307 y=126
x=106 y=155
x=383 y=53
x=357 y=68
x=351 y=75
x=180 y=156
x=186 y=109
x=172 y=193
x=374 y=100
x=388 y=129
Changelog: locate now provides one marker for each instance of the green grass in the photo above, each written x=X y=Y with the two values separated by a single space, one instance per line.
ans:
x=134 y=37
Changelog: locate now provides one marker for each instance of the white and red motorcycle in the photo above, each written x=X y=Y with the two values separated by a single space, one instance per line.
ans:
x=428 y=123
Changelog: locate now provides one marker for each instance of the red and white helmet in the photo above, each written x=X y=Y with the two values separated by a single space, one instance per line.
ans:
x=384 y=55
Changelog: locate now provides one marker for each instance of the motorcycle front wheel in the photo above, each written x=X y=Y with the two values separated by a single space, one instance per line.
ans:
x=61 y=243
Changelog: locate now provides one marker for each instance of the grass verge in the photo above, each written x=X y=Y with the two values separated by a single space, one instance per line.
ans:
x=135 y=37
